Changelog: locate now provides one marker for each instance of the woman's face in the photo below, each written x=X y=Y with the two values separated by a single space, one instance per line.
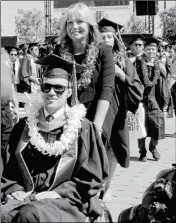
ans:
x=77 y=29
x=108 y=38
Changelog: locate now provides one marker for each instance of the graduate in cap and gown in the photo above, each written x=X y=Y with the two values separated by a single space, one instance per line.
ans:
x=168 y=65
x=128 y=93
x=152 y=74
x=57 y=161
x=30 y=72
x=135 y=43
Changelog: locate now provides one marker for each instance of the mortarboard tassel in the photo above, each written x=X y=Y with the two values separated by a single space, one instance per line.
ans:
x=74 y=100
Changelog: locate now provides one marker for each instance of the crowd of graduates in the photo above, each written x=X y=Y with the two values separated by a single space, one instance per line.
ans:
x=114 y=74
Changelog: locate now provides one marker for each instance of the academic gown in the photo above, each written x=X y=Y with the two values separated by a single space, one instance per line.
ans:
x=76 y=176
x=127 y=96
x=154 y=100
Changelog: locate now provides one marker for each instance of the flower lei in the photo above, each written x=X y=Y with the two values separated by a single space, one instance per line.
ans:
x=89 y=61
x=149 y=81
x=75 y=115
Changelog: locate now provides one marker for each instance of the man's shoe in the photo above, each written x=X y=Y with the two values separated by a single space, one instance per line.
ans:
x=155 y=154
x=170 y=112
x=169 y=115
x=143 y=157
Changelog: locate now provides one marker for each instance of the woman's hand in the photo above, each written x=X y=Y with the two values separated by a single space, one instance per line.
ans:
x=47 y=194
x=18 y=195
x=119 y=72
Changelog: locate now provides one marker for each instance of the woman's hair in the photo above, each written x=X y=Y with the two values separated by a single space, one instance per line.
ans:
x=119 y=52
x=82 y=12
x=117 y=47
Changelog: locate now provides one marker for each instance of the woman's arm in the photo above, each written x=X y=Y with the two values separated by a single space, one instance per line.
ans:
x=101 y=111
x=105 y=84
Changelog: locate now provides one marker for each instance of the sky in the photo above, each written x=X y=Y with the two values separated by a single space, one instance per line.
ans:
x=9 y=10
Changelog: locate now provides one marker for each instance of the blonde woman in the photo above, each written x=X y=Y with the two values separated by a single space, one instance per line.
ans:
x=80 y=41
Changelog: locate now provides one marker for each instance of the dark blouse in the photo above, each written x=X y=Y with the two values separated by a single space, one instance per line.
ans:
x=102 y=85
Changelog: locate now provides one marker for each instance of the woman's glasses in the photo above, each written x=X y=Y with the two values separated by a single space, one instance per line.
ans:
x=138 y=44
x=13 y=54
x=59 y=89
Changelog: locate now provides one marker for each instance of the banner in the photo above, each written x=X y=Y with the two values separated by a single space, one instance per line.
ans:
x=137 y=122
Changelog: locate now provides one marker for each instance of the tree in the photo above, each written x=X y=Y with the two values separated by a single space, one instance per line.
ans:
x=134 y=25
x=30 y=25
x=55 y=26
x=168 y=20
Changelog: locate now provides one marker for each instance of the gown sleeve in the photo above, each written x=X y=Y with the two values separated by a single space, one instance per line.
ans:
x=134 y=87
x=107 y=73
x=11 y=173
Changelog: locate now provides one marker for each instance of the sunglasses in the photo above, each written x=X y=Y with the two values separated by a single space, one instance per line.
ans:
x=138 y=44
x=58 y=89
x=12 y=54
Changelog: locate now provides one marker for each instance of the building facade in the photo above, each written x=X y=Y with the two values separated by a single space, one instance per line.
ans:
x=115 y=10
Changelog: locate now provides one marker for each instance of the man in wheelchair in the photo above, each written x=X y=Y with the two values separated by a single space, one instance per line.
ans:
x=56 y=162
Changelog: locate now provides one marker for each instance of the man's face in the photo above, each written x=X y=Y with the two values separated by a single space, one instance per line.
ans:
x=13 y=55
x=139 y=46
x=151 y=51
x=34 y=51
x=132 y=48
x=57 y=92
x=171 y=53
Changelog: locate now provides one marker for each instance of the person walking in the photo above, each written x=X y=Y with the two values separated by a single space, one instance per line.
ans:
x=16 y=63
x=30 y=72
x=152 y=74
x=128 y=93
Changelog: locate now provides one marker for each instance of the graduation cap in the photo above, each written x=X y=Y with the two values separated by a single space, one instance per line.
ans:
x=54 y=61
x=134 y=38
x=23 y=46
x=54 y=40
x=58 y=67
x=151 y=41
x=10 y=48
x=129 y=39
x=106 y=25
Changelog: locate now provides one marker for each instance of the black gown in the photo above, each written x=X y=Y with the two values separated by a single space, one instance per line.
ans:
x=76 y=176
x=154 y=99
x=126 y=97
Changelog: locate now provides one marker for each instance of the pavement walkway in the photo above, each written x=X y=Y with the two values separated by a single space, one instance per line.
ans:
x=129 y=184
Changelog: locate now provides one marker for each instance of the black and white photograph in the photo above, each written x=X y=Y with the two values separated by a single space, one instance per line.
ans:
x=88 y=111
